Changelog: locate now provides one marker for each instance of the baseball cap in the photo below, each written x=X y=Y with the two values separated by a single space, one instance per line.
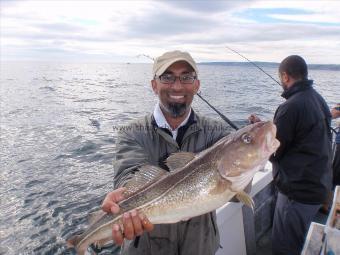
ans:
x=168 y=58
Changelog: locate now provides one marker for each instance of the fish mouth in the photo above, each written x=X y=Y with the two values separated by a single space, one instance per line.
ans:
x=271 y=143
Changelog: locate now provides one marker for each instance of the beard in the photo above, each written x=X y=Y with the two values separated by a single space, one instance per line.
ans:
x=283 y=85
x=176 y=110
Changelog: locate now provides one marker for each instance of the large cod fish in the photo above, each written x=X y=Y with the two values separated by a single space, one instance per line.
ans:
x=196 y=184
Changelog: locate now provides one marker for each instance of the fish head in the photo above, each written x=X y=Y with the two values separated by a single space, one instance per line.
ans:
x=246 y=152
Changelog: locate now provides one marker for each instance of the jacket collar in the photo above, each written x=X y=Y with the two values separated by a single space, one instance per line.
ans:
x=162 y=122
x=191 y=119
x=297 y=87
x=190 y=127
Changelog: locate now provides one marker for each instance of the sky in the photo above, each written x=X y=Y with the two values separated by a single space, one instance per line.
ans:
x=122 y=31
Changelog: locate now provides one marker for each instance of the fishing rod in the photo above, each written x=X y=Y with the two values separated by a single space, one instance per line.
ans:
x=147 y=56
x=201 y=97
x=332 y=129
x=251 y=62
x=218 y=112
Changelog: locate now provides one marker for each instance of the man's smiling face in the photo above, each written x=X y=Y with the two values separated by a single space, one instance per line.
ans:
x=175 y=99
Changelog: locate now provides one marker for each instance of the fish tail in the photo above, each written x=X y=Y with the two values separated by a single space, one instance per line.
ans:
x=73 y=241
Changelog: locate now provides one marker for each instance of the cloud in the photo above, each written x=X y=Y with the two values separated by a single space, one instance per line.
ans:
x=60 y=27
x=114 y=29
x=312 y=11
x=310 y=18
x=202 y=6
x=164 y=24
x=288 y=15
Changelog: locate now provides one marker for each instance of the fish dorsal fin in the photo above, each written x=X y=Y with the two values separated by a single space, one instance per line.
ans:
x=179 y=159
x=143 y=177
x=95 y=216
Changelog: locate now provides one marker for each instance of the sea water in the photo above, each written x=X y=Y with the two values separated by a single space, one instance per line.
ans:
x=59 y=123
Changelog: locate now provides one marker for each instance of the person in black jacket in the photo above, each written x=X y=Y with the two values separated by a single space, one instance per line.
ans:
x=336 y=160
x=302 y=163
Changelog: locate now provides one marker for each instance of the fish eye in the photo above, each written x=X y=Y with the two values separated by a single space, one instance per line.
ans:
x=246 y=138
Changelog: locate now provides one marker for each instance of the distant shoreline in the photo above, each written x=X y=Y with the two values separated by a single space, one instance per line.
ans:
x=329 y=67
x=332 y=67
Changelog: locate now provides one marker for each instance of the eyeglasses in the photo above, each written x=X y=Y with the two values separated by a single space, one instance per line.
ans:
x=171 y=79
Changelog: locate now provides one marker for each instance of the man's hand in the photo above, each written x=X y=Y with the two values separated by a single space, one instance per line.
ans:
x=134 y=223
x=109 y=204
x=253 y=119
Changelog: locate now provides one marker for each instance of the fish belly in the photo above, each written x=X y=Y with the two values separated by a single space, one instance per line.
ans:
x=195 y=195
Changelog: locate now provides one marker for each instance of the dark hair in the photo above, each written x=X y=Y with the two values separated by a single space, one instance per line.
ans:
x=295 y=66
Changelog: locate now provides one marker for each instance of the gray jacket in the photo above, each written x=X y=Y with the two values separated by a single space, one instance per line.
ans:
x=143 y=142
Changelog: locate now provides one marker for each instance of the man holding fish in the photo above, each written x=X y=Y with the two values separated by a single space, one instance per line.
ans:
x=173 y=169
x=174 y=127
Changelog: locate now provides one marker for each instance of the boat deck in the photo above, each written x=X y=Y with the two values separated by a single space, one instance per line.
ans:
x=264 y=245
x=247 y=232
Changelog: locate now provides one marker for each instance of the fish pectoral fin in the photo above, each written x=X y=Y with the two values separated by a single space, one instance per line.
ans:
x=179 y=159
x=245 y=199
x=95 y=216
x=144 y=176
